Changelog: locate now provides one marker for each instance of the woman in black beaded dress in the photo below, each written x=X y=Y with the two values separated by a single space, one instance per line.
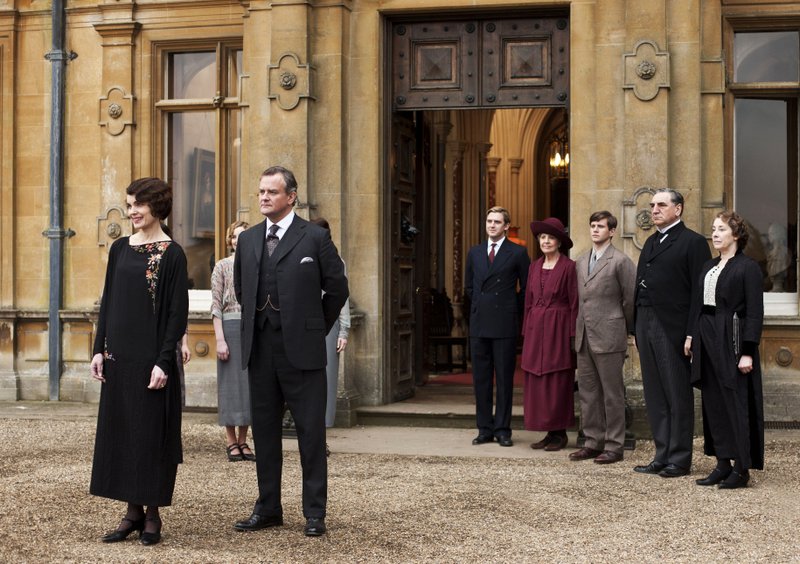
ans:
x=143 y=314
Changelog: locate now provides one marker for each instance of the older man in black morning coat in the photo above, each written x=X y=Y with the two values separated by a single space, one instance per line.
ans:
x=290 y=282
x=667 y=278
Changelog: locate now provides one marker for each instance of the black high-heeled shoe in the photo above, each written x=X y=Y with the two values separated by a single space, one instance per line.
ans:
x=147 y=538
x=717 y=475
x=234 y=457
x=735 y=480
x=122 y=534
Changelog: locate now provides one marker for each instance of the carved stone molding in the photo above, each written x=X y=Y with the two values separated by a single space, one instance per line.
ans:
x=116 y=110
x=646 y=70
x=637 y=223
x=289 y=81
x=712 y=76
x=112 y=225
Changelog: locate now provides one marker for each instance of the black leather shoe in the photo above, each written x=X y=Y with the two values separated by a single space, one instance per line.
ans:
x=673 y=471
x=714 y=478
x=735 y=480
x=122 y=534
x=505 y=441
x=149 y=539
x=482 y=439
x=257 y=522
x=315 y=527
x=652 y=468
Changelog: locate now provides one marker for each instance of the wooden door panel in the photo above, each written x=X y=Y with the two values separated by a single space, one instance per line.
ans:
x=435 y=64
x=403 y=289
x=480 y=63
x=525 y=63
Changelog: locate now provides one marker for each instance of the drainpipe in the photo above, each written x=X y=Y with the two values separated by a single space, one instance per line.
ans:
x=58 y=57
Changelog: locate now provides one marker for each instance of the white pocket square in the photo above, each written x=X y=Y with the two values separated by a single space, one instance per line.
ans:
x=306 y=259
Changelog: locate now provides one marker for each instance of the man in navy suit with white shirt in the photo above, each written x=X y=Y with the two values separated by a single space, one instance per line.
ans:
x=497 y=271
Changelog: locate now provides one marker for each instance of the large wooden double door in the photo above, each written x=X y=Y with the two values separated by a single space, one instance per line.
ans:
x=459 y=64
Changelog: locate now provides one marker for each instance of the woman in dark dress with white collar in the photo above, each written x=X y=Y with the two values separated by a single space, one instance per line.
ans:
x=725 y=359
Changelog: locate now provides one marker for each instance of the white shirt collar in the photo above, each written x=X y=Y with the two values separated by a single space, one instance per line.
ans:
x=497 y=244
x=668 y=227
x=602 y=251
x=283 y=224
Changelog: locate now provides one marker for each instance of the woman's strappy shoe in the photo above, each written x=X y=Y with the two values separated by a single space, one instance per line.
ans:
x=234 y=457
x=245 y=456
x=122 y=534
x=148 y=539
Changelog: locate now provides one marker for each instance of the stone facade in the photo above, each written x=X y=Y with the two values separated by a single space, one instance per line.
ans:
x=646 y=109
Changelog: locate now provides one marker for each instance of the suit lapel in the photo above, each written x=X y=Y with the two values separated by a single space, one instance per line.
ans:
x=293 y=235
x=672 y=236
x=501 y=256
x=261 y=236
x=601 y=262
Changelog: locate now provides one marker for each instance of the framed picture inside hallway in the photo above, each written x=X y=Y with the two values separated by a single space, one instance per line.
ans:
x=201 y=195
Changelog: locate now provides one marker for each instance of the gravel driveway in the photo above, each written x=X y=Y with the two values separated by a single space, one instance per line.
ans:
x=399 y=507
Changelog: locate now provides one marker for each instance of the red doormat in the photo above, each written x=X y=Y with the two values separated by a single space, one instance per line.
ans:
x=465 y=379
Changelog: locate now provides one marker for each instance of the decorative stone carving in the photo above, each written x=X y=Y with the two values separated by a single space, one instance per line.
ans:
x=636 y=219
x=784 y=357
x=646 y=70
x=289 y=81
x=116 y=110
x=112 y=225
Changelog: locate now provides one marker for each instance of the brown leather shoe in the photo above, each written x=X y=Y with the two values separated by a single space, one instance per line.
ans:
x=556 y=443
x=584 y=454
x=608 y=457
x=543 y=443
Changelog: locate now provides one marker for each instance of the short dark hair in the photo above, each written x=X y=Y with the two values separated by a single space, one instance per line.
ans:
x=738 y=227
x=322 y=222
x=601 y=215
x=153 y=192
x=288 y=177
x=675 y=197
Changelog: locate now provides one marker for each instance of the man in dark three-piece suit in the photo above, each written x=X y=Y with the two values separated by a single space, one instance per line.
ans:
x=606 y=281
x=290 y=282
x=495 y=279
x=667 y=279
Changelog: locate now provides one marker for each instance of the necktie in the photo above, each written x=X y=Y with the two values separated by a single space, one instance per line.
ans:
x=491 y=253
x=272 y=239
x=592 y=262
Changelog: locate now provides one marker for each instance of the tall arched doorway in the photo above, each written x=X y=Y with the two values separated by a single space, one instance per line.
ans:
x=459 y=90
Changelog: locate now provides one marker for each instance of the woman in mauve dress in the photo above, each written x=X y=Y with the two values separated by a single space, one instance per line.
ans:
x=548 y=358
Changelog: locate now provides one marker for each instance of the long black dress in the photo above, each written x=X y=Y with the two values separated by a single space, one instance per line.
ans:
x=143 y=315
x=733 y=405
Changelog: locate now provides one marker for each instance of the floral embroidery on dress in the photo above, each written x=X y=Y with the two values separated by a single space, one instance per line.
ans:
x=155 y=251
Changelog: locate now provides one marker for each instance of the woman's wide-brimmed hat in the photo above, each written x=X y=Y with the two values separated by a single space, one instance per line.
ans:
x=552 y=226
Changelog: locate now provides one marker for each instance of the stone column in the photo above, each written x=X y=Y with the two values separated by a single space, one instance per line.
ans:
x=116 y=107
x=514 y=201
x=290 y=78
x=491 y=179
x=8 y=325
x=455 y=161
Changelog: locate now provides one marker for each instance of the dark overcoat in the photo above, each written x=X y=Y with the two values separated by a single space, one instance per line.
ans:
x=550 y=315
x=739 y=289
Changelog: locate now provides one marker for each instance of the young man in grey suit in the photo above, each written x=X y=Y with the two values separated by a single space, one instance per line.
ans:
x=667 y=279
x=290 y=282
x=606 y=282
x=496 y=274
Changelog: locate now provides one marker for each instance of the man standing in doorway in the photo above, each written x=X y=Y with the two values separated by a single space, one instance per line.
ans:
x=606 y=282
x=290 y=282
x=666 y=281
x=495 y=279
